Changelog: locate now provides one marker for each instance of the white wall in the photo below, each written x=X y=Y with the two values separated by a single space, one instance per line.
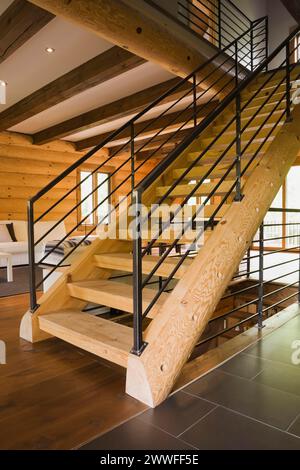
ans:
x=254 y=9
x=281 y=23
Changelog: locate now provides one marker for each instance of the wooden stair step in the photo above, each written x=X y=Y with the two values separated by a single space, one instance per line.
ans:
x=168 y=237
x=204 y=190
x=189 y=211
x=124 y=262
x=228 y=138
x=199 y=171
x=217 y=152
x=114 y=294
x=106 y=339
x=255 y=123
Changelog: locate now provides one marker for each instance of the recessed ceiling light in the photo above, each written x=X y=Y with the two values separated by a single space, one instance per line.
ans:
x=50 y=50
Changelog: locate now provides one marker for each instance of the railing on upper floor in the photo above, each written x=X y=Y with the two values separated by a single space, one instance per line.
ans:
x=221 y=22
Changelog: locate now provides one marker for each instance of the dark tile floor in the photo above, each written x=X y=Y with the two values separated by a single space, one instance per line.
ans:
x=251 y=402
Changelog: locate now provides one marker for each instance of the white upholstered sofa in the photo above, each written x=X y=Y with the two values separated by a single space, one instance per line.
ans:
x=19 y=248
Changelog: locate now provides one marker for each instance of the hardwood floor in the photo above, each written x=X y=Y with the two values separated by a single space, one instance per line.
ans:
x=53 y=395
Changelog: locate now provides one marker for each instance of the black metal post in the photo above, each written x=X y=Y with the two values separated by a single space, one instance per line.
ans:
x=288 y=84
x=195 y=99
x=132 y=157
x=261 y=277
x=267 y=41
x=238 y=196
x=138 y=343
x=251 y=46
x=248 y=263
x=220 y=23
x=31 y=257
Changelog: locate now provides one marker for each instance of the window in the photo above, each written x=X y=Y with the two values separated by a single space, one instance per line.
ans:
x=93 y=194
x=288 y=197
x=296 y=46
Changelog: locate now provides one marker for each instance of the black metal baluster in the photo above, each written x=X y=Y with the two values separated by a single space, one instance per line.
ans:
x=31 y=257
x=261 y=278
x=220 y=23
x=138 y=344
x=288 y=84
x=195 y=99
x=238 y=195
x=252 y=46
x=267 y=41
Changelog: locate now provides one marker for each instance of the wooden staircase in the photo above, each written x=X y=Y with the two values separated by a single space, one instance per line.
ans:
x=200 y=280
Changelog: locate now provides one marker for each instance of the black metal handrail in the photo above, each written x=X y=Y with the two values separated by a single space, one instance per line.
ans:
x=235 y=188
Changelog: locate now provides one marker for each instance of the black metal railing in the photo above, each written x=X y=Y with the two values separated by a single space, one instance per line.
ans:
x=221 y=22
x=240 y=142
x=268 y=279
x=144 y=137
x=191 y=108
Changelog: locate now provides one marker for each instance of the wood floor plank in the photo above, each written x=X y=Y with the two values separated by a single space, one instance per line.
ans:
x=52 y=394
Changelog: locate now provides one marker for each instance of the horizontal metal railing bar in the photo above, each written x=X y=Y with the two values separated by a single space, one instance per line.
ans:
x=226 y=330
x=280 y=289
x=255 y=286
x=283 y=209
x=269 y=267
x=282 y=225
x=277 y=238
x=280 y=302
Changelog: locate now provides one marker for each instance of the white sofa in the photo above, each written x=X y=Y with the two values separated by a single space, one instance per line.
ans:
x=19 y=249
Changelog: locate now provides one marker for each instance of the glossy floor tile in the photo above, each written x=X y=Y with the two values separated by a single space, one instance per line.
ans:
x=136 y=434
x=223 y=429
x=177 y=413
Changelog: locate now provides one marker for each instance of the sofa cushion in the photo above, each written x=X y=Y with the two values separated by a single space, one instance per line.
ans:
x=13 y=247
x=4 y=234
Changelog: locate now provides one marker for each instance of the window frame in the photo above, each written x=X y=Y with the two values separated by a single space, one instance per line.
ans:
x=88 y=169
x=283 y=245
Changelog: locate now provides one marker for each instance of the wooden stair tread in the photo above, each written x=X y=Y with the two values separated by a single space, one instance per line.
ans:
x=109 y=340
x=114 y=294
x=124 y=262
x=204 y=190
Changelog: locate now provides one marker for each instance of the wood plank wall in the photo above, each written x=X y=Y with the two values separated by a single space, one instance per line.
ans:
x=26 y=168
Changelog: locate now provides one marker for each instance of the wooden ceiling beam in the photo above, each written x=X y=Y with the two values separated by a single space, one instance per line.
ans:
x=151 y=125
x=101 y=68
x=118 y=109
x=19 y=22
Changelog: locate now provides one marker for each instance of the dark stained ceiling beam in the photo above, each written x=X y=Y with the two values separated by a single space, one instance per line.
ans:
x=118 y=109
x=101 y=68
x=19 y=22
x=151 y=125
x=293 y=6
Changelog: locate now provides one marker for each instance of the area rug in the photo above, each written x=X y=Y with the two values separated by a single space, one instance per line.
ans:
x=20 y=284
